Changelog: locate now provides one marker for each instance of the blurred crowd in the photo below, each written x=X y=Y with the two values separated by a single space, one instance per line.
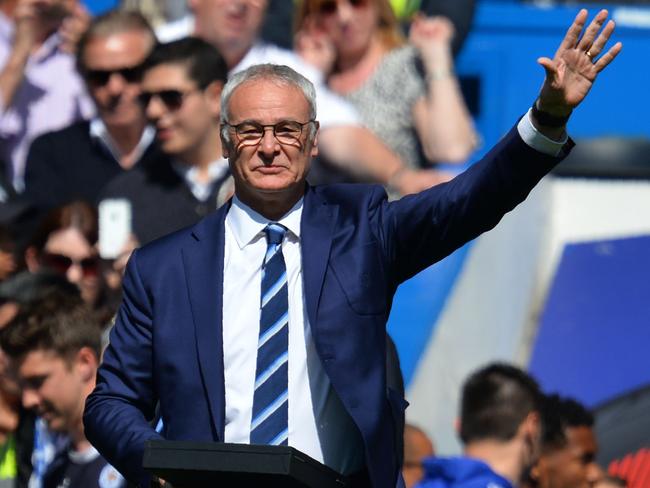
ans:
x=110 y=138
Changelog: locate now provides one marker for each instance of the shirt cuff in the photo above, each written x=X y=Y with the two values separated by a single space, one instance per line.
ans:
x=536 y=139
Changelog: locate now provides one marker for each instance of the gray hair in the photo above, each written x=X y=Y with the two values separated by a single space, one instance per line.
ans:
x=280 y=74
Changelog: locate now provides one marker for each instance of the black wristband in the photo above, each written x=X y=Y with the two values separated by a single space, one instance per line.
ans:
x=549 y=120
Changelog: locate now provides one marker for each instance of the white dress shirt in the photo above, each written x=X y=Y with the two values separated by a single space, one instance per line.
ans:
x=319 y=426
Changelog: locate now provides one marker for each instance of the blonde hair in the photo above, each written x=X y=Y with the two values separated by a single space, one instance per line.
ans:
x=389 y=31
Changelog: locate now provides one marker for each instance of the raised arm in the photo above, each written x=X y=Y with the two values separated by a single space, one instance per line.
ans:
x=25 y=38
x=572 y=71
x=441 y=118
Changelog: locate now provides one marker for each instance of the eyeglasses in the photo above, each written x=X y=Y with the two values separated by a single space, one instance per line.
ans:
x=99 y=77
x=329 y=7
x=286 y=132
x=172 y=99
x=61 y=264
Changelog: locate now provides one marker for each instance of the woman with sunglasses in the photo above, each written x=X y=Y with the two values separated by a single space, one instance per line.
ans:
x=407 y=94
x=65 y=243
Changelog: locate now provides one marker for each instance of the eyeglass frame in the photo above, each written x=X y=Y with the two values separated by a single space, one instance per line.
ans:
x=61 y=264
x=157 y=94
x=100 y=77
x=333 y=6
x=226 y=124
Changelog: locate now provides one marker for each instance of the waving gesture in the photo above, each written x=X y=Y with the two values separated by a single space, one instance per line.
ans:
x=576 y=64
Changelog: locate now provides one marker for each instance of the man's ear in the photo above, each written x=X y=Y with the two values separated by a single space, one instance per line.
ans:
x=225 y=145
x=213 y=92
x=314 y=144
x=457 y=426
x=86 y=363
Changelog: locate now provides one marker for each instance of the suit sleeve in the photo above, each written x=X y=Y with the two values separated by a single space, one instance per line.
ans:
x=118 y=412
x=421 y=229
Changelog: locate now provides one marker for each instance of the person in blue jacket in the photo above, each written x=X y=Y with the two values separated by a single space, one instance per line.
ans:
x=500 y=429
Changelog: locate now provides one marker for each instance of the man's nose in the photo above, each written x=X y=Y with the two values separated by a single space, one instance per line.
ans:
x=115 y=83
x=31 y=399
x=269 y=145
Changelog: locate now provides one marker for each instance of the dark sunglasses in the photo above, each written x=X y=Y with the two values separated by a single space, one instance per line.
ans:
x=172 y=99
x=329 y=7
x=99 y=77
x=61 y=264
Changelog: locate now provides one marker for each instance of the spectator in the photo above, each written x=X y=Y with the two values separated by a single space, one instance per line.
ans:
x=29 y=444
x=40 y=90
x=500 y=429
x=417 y=447
x=408 y=95
x=181 y=91
x=65 y=243
x=569 y=447
x=56 y=350
x=234 y=28
x=109 y=59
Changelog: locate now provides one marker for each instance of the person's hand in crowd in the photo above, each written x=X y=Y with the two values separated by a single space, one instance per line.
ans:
x=73 y=27
x=114 y=274
x=576 y=64
x=408 y=181
x=432 y=37
x=27 y=25
x=315 y=47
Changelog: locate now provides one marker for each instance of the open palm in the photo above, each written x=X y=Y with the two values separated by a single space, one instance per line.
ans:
x=576 y=64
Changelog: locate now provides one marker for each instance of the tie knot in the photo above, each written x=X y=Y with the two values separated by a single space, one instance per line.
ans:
x=275 y=233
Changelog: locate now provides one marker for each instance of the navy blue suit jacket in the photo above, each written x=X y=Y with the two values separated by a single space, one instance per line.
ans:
x=356 y=249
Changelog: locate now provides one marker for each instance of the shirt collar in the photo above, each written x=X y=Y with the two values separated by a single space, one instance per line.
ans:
x=99 y=132
x=189 y=173
x=247 y=225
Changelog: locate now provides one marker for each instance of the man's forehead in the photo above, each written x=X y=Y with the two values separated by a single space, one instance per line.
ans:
x=228 y=3
x=37 y=360
x=265 y=93
x=582 y=437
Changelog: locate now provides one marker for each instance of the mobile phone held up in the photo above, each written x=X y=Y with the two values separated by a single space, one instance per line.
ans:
x=114 y=227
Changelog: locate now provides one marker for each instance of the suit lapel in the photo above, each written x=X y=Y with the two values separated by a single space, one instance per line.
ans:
x=317 y=227
x=203 y=261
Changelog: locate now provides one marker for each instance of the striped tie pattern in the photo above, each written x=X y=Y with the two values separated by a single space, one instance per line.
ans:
x=271 y=399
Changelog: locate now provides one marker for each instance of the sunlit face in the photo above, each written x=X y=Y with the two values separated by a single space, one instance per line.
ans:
x=186 y=120
x=269 y=167
x=350 y=24
x=54 y=388
x=68 y=252
x=111 y=64
x=228 y=24
x=572 y=466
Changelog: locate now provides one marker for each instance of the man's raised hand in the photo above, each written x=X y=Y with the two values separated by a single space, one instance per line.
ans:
x=576 y=64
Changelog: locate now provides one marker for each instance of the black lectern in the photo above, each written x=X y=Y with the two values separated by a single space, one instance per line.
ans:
x=203 y=465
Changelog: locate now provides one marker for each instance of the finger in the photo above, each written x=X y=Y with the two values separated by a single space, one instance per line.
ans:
x=598 y=45
x=549 y=66
x=571 y=38
x=593 y=29
x=608 y=57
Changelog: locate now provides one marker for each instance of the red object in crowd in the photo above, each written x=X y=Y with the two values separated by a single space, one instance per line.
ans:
x=634 y=467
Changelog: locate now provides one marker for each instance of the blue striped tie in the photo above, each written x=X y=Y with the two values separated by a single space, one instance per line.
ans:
x=271 y=399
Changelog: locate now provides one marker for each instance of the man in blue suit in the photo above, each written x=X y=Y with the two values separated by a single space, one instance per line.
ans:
x=265 y=322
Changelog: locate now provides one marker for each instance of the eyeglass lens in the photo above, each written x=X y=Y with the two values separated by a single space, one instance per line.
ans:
x=329 y=7
x=61 y=263
x=99 y=77
x=172 y=99
x=286 y=131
